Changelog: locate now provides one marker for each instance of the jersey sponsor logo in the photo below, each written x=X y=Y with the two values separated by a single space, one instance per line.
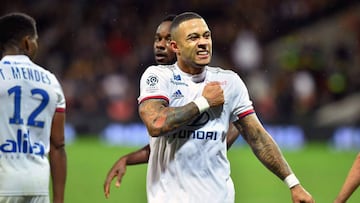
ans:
x=196 y=134
x=200 y=120
x=22 y=144
x=177 y=94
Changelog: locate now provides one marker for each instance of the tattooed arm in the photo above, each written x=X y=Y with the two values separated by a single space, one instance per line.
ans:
x=268 y=152
x=263 y=146
x=161 y=119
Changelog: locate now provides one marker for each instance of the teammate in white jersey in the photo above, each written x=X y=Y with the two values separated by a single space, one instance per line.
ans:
x=31 y=120
x=163 y=55
x=186 y=108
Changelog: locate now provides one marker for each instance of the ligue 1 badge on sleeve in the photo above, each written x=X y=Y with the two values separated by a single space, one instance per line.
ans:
x=152 y=80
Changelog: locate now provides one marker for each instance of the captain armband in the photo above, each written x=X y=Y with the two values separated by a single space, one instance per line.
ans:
x=202 y=104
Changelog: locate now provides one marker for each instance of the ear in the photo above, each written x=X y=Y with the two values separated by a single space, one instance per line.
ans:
x=174 y=46
x=29 y=46
x=25 y=44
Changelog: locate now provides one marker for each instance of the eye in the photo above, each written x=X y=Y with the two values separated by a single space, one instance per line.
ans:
x=207 y=35
x=168 y=39
x=157 y=39
x=193 y=37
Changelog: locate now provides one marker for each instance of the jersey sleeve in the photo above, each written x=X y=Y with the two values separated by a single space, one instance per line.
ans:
x=154 y=84
x=60 y=100
x=242 y=105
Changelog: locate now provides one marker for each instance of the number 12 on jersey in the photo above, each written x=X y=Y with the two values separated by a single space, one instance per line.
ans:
x=17 y=118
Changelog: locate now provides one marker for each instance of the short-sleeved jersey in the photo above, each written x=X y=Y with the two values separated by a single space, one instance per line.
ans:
x=29 y=97
x=191 y=165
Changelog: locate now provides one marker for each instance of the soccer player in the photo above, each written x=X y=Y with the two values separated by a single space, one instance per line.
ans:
x=162 y=50
x=163 y=56
x=31 y=120
x=186 y=108
x=351 y=183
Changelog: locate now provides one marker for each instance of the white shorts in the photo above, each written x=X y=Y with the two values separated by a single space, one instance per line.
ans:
x=24 y=199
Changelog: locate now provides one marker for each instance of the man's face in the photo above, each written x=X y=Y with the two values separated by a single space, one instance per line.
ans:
x=162 y=50
x=193 y=39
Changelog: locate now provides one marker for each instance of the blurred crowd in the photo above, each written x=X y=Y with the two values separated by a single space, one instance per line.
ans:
x=99 y=49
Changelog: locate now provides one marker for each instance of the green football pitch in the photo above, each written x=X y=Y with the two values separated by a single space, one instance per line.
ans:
x=320 y=169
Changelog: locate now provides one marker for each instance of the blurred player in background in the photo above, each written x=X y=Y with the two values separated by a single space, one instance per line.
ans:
x=351 y=183
x=164 y=55
x=162 y=50
x=186 y=108
x=31 y=120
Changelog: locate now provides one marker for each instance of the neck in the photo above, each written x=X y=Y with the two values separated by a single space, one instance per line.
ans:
x=13 y=50
x=192 y=69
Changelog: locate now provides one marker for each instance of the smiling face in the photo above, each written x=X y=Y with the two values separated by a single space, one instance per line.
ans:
x=193 y=45
x=162 y=49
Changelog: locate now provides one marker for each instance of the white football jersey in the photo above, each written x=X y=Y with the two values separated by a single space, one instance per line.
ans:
x=29 y=97
x=191 y=165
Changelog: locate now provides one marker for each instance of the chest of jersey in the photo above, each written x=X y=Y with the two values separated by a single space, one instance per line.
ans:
x=211 y=124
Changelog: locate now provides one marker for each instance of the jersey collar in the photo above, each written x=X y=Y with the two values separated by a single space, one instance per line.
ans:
x=195 y=78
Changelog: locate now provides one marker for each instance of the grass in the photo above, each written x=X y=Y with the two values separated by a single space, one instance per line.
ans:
x=320 y=169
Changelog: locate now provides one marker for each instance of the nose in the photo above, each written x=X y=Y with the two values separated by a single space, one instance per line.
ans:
x=203 y=41
x=161 y=44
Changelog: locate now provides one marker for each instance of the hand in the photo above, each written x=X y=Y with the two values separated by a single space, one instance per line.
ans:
x=214 y=94
x=118 y=170
x=300 y=195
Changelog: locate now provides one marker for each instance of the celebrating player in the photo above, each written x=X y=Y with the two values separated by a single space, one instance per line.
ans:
x=186 y=108
x=31 y=120
x=163 y=56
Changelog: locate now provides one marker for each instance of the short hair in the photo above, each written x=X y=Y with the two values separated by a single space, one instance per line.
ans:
x=15 y=26
x=169 y=17
x=183 y=17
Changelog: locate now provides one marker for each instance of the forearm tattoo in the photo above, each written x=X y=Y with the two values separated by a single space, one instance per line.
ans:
x=161 y=119
x=263 y=146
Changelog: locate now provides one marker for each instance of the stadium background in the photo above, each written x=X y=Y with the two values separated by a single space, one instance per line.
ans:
x=300 y=60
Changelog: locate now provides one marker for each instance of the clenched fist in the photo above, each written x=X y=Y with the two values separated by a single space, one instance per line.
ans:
x=214 y=94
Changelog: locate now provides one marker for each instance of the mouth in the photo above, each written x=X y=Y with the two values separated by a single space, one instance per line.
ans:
x=203 y=54
x=160 y=56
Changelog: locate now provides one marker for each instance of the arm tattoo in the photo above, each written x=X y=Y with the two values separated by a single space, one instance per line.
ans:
x=161 y=119
x=263 y=146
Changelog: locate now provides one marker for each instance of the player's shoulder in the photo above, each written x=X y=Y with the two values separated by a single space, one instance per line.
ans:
x=48 y=72
x=219 y=70
x=161 y=69
x=21 y=61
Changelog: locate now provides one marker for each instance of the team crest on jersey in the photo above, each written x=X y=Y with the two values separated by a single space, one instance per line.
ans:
x=177 y=77
x=152 y=80
x=176 y=80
